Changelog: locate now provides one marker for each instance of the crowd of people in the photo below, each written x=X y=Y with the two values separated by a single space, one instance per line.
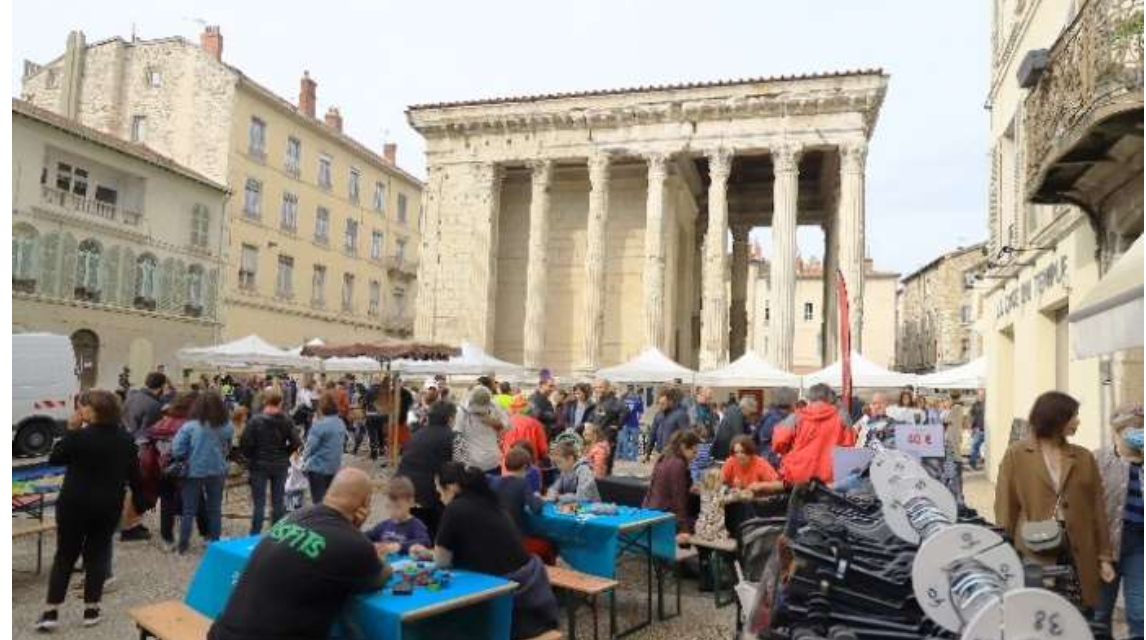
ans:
x=474 y=464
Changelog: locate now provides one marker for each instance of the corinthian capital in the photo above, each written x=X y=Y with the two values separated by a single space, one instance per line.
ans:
x=852 y=156
x=542 y=170
x=786 y=157
x=599 y=166
x=657 y=161
x=488 y=174
x=719 y=164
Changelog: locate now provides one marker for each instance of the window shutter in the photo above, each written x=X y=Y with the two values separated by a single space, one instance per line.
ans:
x=69 y=252
x=49 y=263
x=127 y=282
x=210 y=288
x=109 y=276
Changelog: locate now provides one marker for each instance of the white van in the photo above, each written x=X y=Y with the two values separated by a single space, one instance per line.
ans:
x=44 y=389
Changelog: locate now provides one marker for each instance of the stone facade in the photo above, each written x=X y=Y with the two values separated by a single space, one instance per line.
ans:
x=183 y=101
x=879 y=339
x=113 y=245
x=938 y=305
x=606 y=230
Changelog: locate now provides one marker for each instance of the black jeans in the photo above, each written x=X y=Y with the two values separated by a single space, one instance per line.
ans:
x=171 y=507
x=82 y=530
x=319 y=483
x=276 y=478
x=373 y=427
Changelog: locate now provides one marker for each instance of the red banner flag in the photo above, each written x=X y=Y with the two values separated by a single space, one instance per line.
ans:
x=845 y=340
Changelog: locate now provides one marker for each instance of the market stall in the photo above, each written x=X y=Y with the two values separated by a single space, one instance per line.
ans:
x=473 y=361
x=972 y=375
x=650 y=366
x=748 y=371
x=865 y=375
x=251 y=351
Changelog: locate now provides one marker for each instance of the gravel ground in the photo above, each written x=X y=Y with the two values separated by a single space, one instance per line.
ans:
x=145 y=573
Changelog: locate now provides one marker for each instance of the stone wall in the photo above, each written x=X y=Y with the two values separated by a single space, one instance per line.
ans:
x=934 y=334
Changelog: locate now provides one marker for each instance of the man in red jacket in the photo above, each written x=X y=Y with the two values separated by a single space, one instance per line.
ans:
x=806 y=439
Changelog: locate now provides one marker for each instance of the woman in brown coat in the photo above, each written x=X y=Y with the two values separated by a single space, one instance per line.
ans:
x=1045 y=469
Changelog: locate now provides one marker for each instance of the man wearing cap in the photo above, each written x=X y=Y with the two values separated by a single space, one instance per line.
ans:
x=477 y=427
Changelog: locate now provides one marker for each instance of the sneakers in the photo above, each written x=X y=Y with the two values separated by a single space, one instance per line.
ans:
x=138 y=532
x=91 y=616
x=49 y=621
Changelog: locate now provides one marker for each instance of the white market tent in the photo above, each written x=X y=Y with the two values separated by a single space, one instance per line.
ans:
x=972 y=375
x=650 y=366
x=748 y=371
x=865 y=375
x=473 y=361
x=1110 y=316
x=251 y=351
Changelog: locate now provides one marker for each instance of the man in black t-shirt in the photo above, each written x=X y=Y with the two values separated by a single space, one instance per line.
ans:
x=302 y=573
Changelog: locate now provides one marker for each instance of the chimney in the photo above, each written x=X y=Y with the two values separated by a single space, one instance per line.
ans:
x=211 y=41
x=390 y=152
x=334 y=119
x=306 y=94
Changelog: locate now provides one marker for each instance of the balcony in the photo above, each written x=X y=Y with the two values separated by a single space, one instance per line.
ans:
x=402 y=268
x=399 y=323
x=88 y=206
x=1084 y=116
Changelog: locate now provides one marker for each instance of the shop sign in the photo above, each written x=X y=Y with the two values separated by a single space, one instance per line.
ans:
x=1046 y=278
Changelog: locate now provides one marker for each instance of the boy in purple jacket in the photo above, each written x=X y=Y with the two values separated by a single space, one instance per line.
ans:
x=402 y=533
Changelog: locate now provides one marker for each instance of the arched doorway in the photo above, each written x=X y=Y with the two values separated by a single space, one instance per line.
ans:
x=86 y=345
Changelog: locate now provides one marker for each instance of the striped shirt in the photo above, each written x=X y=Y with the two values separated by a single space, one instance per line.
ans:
x=703 y=460
x=1133 y=511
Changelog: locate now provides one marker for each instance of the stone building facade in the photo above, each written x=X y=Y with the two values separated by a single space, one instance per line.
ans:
x=114 y=245
x=879 y=338
x=322 y=233
x=572 y=231
x=1065 y=106
x=938 y=305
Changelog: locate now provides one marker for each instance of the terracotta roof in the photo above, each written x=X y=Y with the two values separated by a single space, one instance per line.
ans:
x=647 y=89
x=138 y=151
x=384 y=351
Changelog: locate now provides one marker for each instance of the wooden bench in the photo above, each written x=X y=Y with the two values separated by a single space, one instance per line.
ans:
x=170 y=620
x=23 y=527
x=720 y=550
x=578 y=587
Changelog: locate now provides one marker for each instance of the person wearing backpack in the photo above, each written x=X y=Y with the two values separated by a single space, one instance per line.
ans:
x=161 y=480
x=202 y=443
x=267 y=444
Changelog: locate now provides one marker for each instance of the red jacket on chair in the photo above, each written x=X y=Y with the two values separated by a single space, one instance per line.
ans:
x=805 y=444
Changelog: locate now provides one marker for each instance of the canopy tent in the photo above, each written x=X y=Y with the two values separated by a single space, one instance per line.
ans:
x=748 y=371
x=650 y=366
x=865 y=374
x=972 y=375
x=1110 y=316
x=340 y=365
x=473 y=361
x=251 y=351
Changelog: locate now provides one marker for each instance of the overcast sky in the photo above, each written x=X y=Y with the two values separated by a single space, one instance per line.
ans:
x=927 y=166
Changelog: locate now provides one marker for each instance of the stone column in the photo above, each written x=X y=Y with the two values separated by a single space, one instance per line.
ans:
x=487 y=192
x=596 y=248
x=851 y=232
x=738 y=340
x=536 y=280
x=425 y=325
x=714 y=304
x=782 y=279
x=831 y=337
x=654 y=274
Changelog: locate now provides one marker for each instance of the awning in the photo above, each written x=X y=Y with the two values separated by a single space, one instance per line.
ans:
x=972 y=375
x=473 y=361
x=1110 y=316
x=749 y=371
x=251 y=351
x=865 y=375
x=651 y=366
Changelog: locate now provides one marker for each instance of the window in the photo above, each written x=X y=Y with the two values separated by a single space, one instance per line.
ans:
x=375 y=296
x=24 y=258
x=767 y=313
x=351 y=240
x=200 y=226
x=322 y=225
x=324 y=171
x=376 y=239
x=318 y=286
x=402 y=208
x=257 y=139
x=809 y=311
x=352 y=186
x=153 y=77
x=289 y=221
x=292 y=163
x=73 y=179
x=969 y=280
x=195 y=287
x=253 y=199
x=347 y=292
x=248 y=266
x=379 y=197
x=399 y=303
x=284 y=281
x=138 y=128
x=965 y=314
x=106 y=195
x=145 y=276
x=52 y=80
x=87 y=270
x=400 y=250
